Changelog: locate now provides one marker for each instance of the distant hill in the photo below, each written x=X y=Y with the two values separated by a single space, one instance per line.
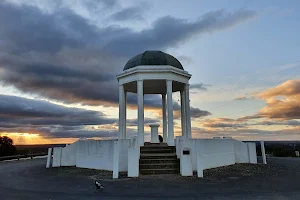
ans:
x=279 y=148
x=36 y=148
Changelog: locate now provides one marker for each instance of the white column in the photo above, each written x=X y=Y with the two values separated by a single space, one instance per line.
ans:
x=263 y=152
x=133 y=157
x=121 y=111
x=188 y=111
x=49 y=158
x=116 y=158
x=124 y=115
x=183 y=114
x=170 y=114
x=164 y=115
x=140 y=100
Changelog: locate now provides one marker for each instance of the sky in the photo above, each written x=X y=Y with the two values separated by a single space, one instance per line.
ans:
x=59 y=60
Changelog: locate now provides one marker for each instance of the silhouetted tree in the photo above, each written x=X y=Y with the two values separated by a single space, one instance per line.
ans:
x=6 y=146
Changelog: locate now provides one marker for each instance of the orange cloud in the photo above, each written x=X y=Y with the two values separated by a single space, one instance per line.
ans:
x=290 y=88
x=283 y=101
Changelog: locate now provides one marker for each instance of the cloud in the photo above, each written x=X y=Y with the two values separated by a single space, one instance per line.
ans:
x=64 y=57
x=246 y=133
x=221 y=123
x=282 y=102
x=285 y=123
x=199 y=86
x=41 y=117
x=147 y=122
x=80 y=7
x=170 y=32
x=131 y=13
x=241 y=124
x=197 y=113
x=290 y=88
x=36 y=112
x=244 y=98
x=286 y=108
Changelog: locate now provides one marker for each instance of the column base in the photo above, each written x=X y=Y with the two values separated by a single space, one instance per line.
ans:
x=171 y=143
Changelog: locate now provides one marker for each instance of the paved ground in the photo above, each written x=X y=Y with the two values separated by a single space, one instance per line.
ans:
x=28 y=179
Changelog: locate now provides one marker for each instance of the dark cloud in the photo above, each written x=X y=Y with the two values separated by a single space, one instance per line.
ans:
x=21 y=115
x=15 y=111
x=168 y=31
x=62 y=133
x=194 y=112
x=197 y=113
x=62 y=56
x=147 y=122
x=199 y=86
x=131 y=13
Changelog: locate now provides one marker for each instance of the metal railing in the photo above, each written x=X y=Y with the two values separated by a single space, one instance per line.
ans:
x=18 y=157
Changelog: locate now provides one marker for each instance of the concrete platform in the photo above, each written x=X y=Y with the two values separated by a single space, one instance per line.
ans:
x=28 y=179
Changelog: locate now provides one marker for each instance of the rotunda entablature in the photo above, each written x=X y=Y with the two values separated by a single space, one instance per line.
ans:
x=154 y=78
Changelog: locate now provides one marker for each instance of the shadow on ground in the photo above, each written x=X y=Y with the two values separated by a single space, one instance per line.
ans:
x=28 y=179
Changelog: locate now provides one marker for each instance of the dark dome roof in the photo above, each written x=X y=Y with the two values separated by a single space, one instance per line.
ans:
x=153 y=58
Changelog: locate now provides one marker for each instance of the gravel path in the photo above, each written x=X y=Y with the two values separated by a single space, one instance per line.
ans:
x=28 y=179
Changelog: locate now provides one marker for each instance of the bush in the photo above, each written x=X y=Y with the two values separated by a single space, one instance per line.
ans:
x=6 y=146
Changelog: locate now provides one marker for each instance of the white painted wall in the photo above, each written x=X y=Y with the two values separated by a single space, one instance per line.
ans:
x=49 y=158
x=186 y=168
x=95 y=154
x=211 y=153
x=133 y=157
x=57 y=156
x=204 y=154
x=241 y=152
x=215 y=152
x=123 y=153
x=68 y=156
x=252 y=152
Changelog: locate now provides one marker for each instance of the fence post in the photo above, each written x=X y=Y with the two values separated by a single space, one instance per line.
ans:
x=263 y=153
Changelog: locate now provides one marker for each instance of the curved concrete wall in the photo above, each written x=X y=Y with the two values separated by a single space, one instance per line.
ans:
x=204 y=153
x=211 y=153
x=95 y=154
x=215 y=152
x=92 y=154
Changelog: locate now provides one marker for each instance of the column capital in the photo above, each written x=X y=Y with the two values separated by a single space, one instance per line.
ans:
x=186 y=86
x=169 y=82
x=140 y=81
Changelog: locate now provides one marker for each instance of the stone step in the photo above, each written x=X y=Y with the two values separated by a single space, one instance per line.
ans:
x=160 y=166
x=155 y=144
x=156 y=150
x=159 y=171
x=157 y=147
x=157 y=161
x=158 y=156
